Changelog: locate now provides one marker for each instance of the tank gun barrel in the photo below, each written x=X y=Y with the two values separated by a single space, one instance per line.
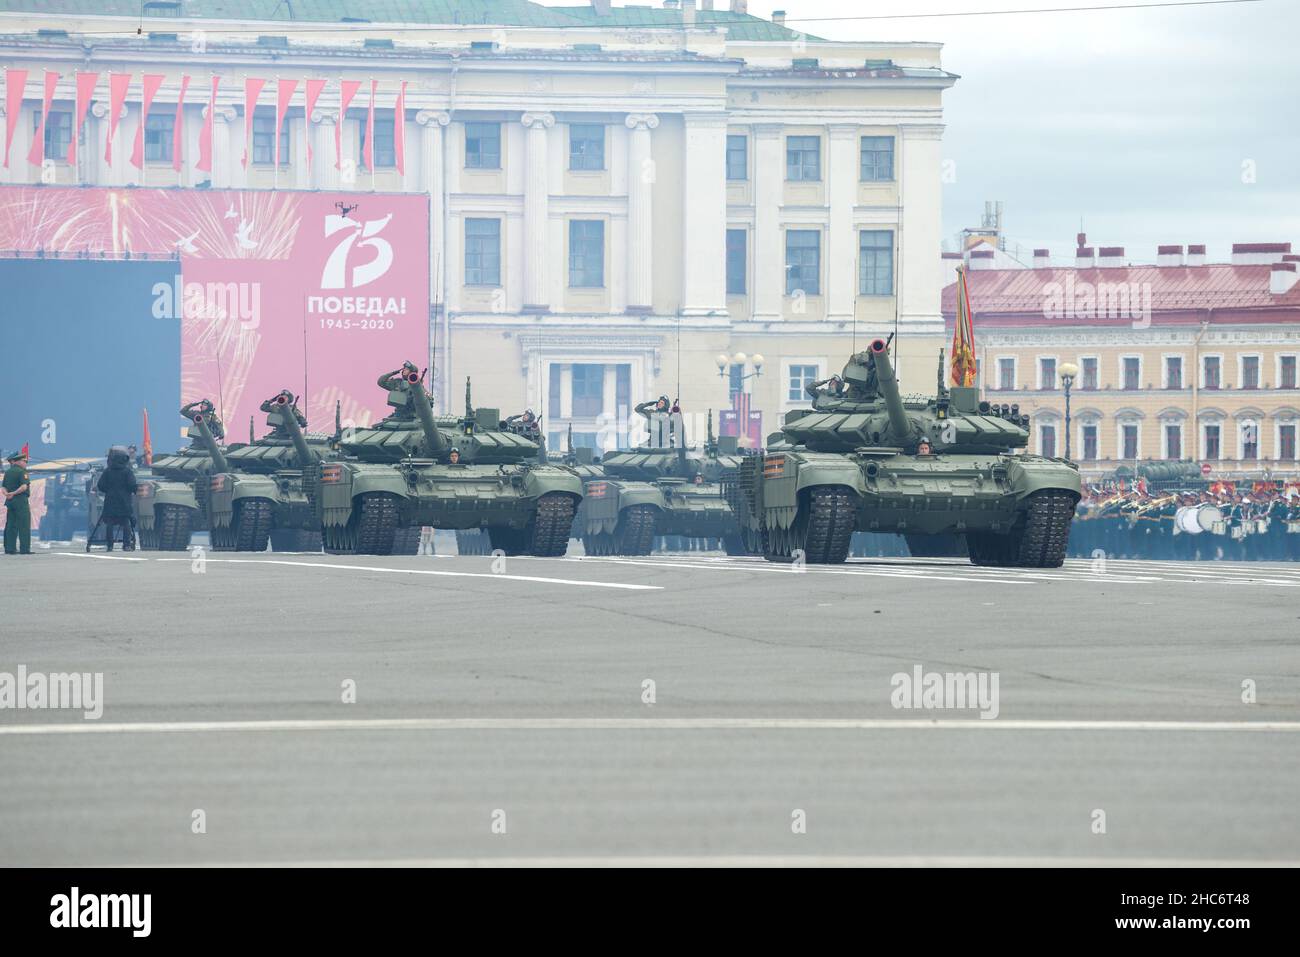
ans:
x=282 y=406
x=199 y=413
x=888 y=383
x=434 y=440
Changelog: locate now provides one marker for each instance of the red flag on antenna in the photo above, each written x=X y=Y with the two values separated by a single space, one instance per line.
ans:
x=147 y=445
x=963 y=336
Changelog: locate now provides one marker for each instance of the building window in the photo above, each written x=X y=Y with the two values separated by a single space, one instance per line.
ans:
x=1250 y=372
x=801 y=376
x=1132 y=373
x=736 y=262
x=1088 y=372
x=1006 y=374
x=803 y=158
x=1173 y=442
x=158 y=130
x=482 y=252
x=803 y=262
x=385 y=148
x=1047 y=441
x=1213 y=449
x=1286 y=442
x=737 y=157
x=588 y=390
x=1089 y=433
x=482 y=145
x=586 y=146
x=264 y=138
x=58 y=132
x=1249 y=441
x=1047 y=374
x=877 y=159
x=1212 y=369
x=1129 y=440
x=587 y=253
x=1286 y=372
x=1173 y=372
x=876 y=262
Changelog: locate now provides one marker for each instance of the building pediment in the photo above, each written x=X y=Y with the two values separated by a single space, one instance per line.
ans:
x=1129 y=412
x=1172 y=412
x=1211 y=413
x=1249 y=412
x=1286 y=412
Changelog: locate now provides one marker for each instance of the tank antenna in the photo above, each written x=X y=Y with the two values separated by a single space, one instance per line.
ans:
x=469 y=407
x=250 y=430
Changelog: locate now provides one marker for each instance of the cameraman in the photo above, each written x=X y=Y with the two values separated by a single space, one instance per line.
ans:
x=117 y=485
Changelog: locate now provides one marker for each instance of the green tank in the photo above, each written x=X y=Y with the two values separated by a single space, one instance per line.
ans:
x=255 y=490
x=858 y=460
x=662 y=489
x=66 y=503
x=414 y=469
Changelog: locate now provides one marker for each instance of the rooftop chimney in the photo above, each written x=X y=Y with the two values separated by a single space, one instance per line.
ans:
x=778 y=17
x=740 y=6
x=1281 y=277
x=1083 y=257
x=1256 y=254
x=1169 y=255
x=1110 y=257
x=982 y=259
x=1042 y=259
x=1196 y=255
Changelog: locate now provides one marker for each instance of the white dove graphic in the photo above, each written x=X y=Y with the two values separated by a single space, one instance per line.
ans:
x=241 y=235
x=186 y=243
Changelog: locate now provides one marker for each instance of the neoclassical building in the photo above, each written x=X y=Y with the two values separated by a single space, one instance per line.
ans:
x=625 y=201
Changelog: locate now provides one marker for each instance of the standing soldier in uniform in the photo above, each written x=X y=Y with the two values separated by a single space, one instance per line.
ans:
x=18 y=517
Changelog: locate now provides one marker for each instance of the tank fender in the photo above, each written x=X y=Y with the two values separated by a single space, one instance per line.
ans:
x=545 y=479
x=1030 y=475
x=781 y=489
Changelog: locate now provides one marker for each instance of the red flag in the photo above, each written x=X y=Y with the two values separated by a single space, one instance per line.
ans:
x=285 y=92
x=368 y=150
x=205 y=134
x=85 y=92
x=399 y=130
x=118 y=84
x=314 y=88
x=36 y=155
x=963 y=336
x=252 y=89
x=148 y=442
x=150 y=83
x=347 y=90
x=15 y=84
x=178 y=127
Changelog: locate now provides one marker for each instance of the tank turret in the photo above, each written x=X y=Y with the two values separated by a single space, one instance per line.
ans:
x=281 y=414
x=888 y=383
x=205 y=427
x=435 y=442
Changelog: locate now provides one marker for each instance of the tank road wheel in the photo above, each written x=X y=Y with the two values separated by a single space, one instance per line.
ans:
x=547 y=533
x=635 y=532
x=250 y=528
x=172 y=527
x=827 y=525
x=375 y=520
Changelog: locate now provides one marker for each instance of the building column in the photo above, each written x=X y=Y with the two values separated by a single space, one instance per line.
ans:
x=704 y=215
x=769 y=191
x=566 y=391
x=108 y=175
x=921 y=194
x=223 y=159
x=431 y=181
x=841 y=197
x=640 y=213
x=537 y=189
x=321 y=126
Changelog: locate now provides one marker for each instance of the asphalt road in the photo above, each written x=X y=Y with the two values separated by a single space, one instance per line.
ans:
x=513 y=699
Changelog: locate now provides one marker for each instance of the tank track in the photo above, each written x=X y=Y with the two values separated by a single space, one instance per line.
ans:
x=1038 y=541
x=173 y=527
x=831 y=517
x=376 y=522
x=406 y=541
x=547 y=534
x=635 y=532
x=252 y=524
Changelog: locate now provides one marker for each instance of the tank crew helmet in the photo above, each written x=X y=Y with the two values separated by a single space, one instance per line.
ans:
x=663 y=402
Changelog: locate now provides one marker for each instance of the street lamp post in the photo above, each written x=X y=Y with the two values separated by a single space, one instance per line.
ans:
x=724 y=363
x=1068 y=371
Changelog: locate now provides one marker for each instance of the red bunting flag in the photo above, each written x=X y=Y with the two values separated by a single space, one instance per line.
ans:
x=85 y=93
x=36 y=155
x=148 y=442
x=15 y=84
x=284 y=94
x=368 y=149
x=963 y=336
x=252 y=90
x=205 y=134
x=347 y=90
x=150 y=83
x=178 y=127
x=399 y=129
x=118 y=84
x=314 y=88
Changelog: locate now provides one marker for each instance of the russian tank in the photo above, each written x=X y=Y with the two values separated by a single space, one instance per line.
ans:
x=858 y=461
x=414 y=469
x=255 y=490
x=658 y=490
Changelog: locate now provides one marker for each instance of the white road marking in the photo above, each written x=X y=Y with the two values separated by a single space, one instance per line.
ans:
x=640 y=724
x=111 y=558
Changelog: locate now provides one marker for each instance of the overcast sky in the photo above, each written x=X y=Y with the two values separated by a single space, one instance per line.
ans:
x=1136 y=121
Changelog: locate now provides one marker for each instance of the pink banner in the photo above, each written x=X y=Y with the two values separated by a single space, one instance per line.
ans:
x=252 y=90
x=314 y=88
x=85 y=93
x=118 y=84
x=150 y=82
x=347 y=90
x=205 y=134
x=274 y=288
x=36 y=155
x=178 y=127
x=15 y=84
x=284 y=94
